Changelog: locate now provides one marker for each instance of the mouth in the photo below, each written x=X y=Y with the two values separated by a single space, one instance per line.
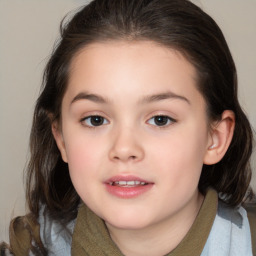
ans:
x=126 y=187
x=127 y=184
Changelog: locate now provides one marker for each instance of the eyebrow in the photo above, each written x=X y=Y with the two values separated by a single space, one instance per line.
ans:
x=146 y=99
x=89 y=96
x=163 y=96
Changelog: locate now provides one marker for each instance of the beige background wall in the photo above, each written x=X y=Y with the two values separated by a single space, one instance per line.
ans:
x=28 y=29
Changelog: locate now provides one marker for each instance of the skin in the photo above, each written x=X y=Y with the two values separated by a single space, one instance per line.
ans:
x=124 y=76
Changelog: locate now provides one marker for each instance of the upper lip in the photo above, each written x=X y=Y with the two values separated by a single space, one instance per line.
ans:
x=126 y=178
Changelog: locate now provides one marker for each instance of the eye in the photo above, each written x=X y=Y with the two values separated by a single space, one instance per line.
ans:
x=93 y=121
x=161 y=120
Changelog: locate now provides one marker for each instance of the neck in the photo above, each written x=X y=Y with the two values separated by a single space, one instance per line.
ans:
x=164 y=235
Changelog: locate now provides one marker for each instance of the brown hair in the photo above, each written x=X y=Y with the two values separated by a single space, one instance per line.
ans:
x=177 y=24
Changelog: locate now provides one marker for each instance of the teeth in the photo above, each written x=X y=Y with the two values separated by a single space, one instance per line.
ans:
x=130 y=183
x=121 y=183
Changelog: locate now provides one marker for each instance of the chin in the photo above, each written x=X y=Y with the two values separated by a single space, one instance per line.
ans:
x=127 y=222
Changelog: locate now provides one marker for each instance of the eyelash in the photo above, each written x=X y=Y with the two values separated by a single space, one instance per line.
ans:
x=167 y=121
x=166 y=118
x=85 y=119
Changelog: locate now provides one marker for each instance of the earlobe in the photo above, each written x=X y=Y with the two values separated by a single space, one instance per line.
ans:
x=220 y=138
x=59 y=140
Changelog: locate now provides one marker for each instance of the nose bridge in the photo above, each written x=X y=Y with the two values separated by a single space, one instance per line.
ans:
x=126 y=145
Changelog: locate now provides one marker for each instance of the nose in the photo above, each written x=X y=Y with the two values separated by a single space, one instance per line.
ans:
x=126 y=146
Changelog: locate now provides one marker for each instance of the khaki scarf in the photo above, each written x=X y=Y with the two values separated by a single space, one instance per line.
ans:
x=91 y=236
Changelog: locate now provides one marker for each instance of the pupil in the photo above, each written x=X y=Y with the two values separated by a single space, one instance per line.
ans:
x=97 y=120
x=161 y=120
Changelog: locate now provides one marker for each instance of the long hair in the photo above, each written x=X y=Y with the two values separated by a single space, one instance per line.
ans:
x=177 y=24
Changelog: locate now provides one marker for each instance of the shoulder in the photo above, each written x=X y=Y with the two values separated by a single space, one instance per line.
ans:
x=25 y=236
x=39 y=236
x=230 y=232
x=56 y=237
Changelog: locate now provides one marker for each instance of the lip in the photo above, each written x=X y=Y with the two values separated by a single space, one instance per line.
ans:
x=127 y=192
x=126 y=178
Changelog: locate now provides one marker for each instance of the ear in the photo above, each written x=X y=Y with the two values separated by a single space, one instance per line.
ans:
x=57 y=134
x=220 y=138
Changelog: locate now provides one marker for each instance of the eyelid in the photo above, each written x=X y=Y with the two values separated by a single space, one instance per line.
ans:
x=83 y=120
x=171 y=120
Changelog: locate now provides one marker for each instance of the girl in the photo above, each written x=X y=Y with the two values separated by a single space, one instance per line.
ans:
x=139 y=145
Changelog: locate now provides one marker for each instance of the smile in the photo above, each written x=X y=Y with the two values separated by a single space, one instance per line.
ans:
x=127 y=187
x=132 y=183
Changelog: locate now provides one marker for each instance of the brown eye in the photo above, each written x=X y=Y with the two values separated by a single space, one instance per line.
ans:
x=161 y=120
x=94 y=121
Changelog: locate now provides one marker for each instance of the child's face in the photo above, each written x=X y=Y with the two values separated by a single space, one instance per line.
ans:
x=149 y=133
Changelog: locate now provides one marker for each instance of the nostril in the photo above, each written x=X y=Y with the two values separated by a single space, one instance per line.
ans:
x=126 y=150
x=130 y=157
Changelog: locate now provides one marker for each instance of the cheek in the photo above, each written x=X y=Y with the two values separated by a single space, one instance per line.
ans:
x=181 y=155
x=84 y=167
x=83 y=157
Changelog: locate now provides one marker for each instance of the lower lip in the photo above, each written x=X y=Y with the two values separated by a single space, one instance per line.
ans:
x=128 y=192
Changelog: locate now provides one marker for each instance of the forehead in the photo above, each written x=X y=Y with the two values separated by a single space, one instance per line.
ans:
x=147 y=54
x=125 y=50
x=133 y=67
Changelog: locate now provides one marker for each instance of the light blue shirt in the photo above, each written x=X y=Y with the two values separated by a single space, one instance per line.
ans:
x=230 y=234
